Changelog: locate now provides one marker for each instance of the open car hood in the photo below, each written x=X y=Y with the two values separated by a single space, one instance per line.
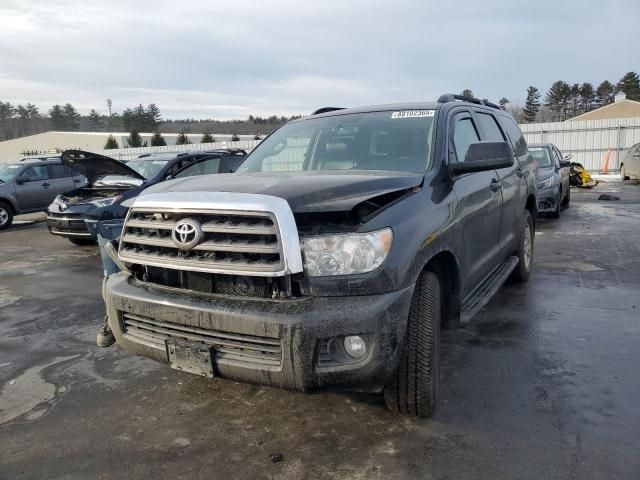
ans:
x=95 y=167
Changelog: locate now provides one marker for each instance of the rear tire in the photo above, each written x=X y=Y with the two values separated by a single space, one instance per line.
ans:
x=6 y=215
x=82 y=241
x=525 y=251
x=414 y=388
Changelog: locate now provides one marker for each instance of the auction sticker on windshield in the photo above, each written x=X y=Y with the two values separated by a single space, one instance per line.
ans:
x=413 y=113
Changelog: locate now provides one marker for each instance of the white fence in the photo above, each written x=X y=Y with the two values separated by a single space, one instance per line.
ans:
x=588 y=141
x=131 y=153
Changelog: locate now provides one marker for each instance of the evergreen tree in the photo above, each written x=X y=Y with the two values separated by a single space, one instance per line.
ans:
x=574 y=100
x=532 y=105
x=467 y=93
x=7 y=111
x=503 y=102
x=587 y=97
x=111 y=143
x=256 y=137
x=605 y=93
x=134 y=140
x=630 y=85
x=153 y=117
x=557 y=99
x=235 y=138
x=207 y=138
x=56 y=113
x=71 y=117
x=95 y=120
x=157 y=140
x=182 y=138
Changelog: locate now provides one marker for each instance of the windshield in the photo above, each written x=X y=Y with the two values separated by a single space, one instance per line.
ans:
x=399 y=141
x=541 y=156
x=8 y=172
x=147 y=168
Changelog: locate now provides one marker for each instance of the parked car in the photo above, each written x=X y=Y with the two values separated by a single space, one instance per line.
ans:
x=335 y=252
x=30 y=185
x=111 y=182
x=554 y=191
x=630 y=166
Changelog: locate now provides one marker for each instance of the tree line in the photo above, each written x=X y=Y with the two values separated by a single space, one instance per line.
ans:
x=564 y=100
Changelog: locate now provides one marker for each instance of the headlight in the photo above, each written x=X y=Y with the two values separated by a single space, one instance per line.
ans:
x=547 y=182
x=105 y=202
x=346 y=254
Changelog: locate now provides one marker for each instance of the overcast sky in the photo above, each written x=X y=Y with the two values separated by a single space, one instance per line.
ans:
x=228 y=59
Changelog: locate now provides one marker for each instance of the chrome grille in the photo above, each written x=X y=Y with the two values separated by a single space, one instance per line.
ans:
x=233 y=241
x=229 y=348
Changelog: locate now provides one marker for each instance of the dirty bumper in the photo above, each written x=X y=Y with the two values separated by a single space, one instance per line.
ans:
x=547 y=199
x=294 y=343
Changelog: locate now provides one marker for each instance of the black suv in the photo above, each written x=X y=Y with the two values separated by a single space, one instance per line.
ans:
x=334 y=254
x=111 y=182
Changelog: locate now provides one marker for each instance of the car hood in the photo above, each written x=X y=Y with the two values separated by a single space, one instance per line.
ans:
x=95 y=167
x=546 y=172
x=304 y=191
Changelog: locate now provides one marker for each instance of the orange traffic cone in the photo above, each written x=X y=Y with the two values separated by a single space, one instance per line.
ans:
x=607 y=156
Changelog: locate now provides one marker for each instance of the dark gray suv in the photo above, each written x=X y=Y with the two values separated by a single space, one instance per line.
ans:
x=31 y=185
x=334 y=254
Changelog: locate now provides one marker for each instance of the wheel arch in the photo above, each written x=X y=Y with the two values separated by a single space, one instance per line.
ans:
x=446 y=266
x=10 y=203
x=532 y=206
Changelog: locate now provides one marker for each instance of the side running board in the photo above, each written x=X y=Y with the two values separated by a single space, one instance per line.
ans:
x=487 y=289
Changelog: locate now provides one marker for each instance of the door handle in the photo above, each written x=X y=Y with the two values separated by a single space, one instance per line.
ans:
x=520 y=172
x=46 y=184
x=495 y=185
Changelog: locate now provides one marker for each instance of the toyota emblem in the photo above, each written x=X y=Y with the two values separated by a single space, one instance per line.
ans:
x=187 y=233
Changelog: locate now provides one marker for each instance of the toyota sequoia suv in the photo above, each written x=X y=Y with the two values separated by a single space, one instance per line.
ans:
x=335 y=253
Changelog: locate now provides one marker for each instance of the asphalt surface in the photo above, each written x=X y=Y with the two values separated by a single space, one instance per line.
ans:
x=544 y=383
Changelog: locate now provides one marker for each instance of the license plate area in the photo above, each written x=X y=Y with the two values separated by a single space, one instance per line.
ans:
x=190 y=357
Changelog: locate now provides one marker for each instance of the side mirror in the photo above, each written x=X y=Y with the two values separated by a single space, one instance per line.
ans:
x=565 y=163
x=484 y=156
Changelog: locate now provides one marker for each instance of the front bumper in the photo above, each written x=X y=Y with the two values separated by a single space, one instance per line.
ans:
x=293 y=332
x=68 y=225
x=547 y=199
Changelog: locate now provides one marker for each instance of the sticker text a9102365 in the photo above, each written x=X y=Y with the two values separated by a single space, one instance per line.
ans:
x=413 y=113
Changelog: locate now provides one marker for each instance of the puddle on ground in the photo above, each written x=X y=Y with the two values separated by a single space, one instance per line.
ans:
x=30 y=393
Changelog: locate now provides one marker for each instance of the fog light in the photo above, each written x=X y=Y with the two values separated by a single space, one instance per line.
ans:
x=355 y=346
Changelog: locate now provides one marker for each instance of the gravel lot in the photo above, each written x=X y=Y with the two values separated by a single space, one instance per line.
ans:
x=543 y=383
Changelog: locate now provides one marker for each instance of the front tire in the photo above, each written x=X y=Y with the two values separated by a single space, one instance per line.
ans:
x=567 y=198
x=556 y=212
x=525 y=251
x=623 y=174
x=414 y=388
x=6 y=216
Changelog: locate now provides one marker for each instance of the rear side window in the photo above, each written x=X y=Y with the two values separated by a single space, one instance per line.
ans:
x=464 y=134
x=205 y=167
x=490 y=128
x=515 y=135
x=59 y=171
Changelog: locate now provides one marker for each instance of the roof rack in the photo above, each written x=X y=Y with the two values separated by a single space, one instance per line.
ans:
x=326 y=109
x=450 y=97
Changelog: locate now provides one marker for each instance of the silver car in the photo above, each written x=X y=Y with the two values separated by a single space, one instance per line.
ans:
x=630 y=166
x=31 y=185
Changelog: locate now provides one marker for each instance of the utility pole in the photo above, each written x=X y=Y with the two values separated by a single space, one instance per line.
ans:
x=109 y=103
